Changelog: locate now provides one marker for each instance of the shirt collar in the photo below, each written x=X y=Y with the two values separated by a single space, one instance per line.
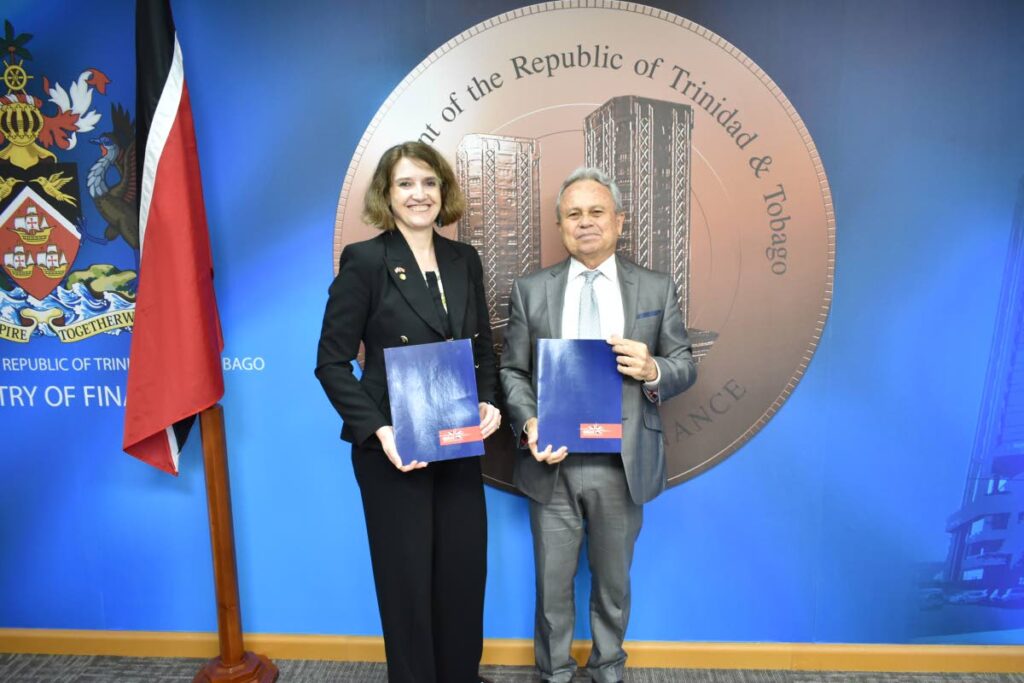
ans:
x=607 y=267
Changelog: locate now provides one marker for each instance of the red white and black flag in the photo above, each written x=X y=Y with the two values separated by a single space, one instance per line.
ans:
x=174 y=372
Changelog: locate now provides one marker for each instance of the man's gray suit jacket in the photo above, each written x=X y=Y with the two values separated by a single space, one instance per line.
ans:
x=651 y=313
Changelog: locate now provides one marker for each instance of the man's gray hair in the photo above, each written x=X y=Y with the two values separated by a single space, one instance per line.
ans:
x=589 y=173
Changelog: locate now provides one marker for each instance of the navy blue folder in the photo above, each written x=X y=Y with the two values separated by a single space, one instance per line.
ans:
x=434 y=408
x=579 y=396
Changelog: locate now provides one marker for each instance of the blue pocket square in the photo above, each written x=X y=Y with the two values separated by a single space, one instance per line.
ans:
x=648 y=314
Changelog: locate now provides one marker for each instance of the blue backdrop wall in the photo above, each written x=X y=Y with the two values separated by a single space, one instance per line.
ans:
x=831 y=525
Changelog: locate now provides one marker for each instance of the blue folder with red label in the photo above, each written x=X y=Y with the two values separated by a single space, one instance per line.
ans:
x=579 y=396
x=434 y=408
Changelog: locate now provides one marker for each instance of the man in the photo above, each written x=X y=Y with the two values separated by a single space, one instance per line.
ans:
x=593 y=294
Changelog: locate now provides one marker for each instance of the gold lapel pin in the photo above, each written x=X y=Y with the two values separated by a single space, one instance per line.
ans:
x=400 y=272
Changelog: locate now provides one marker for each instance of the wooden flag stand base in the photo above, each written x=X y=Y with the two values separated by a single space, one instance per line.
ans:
x=234 y=665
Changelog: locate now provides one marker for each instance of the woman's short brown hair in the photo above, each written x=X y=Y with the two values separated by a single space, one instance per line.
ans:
x=376 y=203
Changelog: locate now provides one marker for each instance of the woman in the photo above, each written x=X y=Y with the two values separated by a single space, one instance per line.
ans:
x=427 y=526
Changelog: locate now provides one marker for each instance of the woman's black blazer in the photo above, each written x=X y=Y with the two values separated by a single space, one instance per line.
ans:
x=371 y=302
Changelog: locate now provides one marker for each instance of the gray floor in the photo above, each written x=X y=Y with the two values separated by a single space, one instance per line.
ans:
x=76 y=669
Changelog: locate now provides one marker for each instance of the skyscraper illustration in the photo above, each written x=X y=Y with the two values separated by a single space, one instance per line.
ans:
x=644 y=144
x=987 y=546
x=500 y=176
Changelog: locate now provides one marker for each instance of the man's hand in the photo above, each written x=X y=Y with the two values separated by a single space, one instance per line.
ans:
x=634 y=359
x=547 y=455
x=387 y=441
x=490 y=419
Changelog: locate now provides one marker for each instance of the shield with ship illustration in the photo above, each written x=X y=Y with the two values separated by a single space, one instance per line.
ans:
x=38 y=243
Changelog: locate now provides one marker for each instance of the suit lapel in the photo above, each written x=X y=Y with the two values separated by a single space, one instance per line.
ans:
x=554 y=288
x=628 y=277
x=454 y=280
x=400 y=261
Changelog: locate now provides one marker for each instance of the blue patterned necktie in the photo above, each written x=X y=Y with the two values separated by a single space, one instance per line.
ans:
x=590 y=317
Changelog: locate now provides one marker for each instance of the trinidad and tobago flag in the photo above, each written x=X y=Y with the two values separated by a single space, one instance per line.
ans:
x=174 y=372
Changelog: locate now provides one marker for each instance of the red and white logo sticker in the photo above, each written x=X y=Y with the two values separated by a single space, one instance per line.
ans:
x=451 y=437
x=594 y=430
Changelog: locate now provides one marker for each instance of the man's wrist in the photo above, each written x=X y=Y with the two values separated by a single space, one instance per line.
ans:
x=524 y=434
x=654 y=374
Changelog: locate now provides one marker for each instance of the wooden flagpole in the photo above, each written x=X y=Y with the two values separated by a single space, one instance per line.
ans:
x=234 y=665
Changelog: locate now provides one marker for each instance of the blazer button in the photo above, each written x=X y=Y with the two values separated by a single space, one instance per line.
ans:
x=405 y=340
x=476 y=365
x=475 y=335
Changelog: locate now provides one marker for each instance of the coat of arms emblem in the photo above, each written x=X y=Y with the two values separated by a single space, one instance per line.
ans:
x=42 y=224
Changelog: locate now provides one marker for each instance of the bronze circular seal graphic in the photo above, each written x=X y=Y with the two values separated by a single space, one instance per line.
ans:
x=723 y=189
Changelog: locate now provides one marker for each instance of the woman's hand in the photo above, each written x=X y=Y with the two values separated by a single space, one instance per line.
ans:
x=387 y=441
x=490 y=419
